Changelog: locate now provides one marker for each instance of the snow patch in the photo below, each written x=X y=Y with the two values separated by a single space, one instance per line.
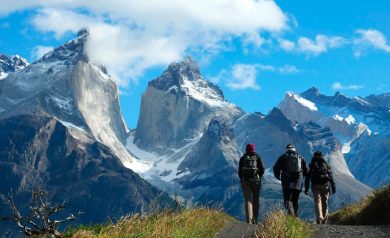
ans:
x=165 y=168
x=199 y=91
x=3 y=75
x=306 y=103
x=350 y=120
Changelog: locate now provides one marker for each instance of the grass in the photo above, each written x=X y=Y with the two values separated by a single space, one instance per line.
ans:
x=278 y=224
x=372 y=210
x=199 y=222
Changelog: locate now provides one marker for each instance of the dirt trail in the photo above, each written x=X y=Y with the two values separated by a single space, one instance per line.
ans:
x=237 y=229
x=343 y=231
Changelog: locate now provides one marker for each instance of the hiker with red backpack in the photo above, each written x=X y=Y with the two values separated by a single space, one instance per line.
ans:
x=321 y=178
x=250 y=170
x=290 y=168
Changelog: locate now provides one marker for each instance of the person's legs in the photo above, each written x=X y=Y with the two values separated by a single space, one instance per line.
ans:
x=256 y=200
x=288 y=203
x=294 y=199
x=324 y=204
x=246 y=190
x=318 y=203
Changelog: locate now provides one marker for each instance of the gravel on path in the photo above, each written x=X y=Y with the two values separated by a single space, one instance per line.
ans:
x=344 y=231
x=237 y=229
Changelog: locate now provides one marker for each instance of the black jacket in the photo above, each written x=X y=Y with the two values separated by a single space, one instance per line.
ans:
x=318 y=162
x=260 y=165
x=280 y=172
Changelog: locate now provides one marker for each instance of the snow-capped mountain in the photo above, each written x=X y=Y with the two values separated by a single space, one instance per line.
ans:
x=10 y=64
x=65 y=85
x=178 y=106
x=360 y=125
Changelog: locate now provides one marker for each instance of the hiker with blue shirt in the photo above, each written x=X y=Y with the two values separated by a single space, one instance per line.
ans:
x=250 y=170
x=290 y=168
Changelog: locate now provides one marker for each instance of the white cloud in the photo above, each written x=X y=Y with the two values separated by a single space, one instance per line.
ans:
x=39 y=50
x=286 y=45
x=320 y=45
x=339 y=86
x=370 y=38
x=243 y=77
x=288 y=69
x=129 y=36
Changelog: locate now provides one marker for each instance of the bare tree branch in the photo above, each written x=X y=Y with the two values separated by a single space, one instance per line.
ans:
x=38 y=222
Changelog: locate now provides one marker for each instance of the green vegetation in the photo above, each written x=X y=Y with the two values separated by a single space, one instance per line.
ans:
x=279 y=224
x=372 y=210
x=199 y=222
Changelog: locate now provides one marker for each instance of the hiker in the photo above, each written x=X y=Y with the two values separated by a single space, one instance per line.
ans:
x=321 y=178
x=250 y=170
x=290 y=169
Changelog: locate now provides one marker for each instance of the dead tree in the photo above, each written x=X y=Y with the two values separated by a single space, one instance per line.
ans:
x=38 y=222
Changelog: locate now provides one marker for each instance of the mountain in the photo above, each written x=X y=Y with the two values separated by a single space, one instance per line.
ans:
x=10 y=64
x=65 y=85
x=42 y=153
x=360 y=125
x=194 y=138
x=379 y=100
x=182 y=104
x=61 y=130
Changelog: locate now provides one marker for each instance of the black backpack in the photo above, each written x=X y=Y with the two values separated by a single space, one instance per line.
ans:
x=249 y=168
x=293 y=165
x=320 y=172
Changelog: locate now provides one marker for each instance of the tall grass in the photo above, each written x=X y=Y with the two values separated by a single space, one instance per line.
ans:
x=199 y=222
x=372 y=210
x=278 y=224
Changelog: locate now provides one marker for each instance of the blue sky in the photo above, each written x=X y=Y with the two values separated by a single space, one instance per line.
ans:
x=254 y=50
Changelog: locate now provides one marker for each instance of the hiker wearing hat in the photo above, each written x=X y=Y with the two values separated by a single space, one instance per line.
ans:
x=321 y=178
x=250 y=170
x=290 y=169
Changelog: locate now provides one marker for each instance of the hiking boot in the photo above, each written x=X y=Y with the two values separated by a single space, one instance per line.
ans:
x=323 y=221
x=254 y=221
x=319 y=221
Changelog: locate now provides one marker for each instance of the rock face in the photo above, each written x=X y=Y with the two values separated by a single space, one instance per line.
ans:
x=178 y=106
x=63 y=84
x=41 y=153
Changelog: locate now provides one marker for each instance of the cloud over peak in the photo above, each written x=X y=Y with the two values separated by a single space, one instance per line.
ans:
x=129 y=36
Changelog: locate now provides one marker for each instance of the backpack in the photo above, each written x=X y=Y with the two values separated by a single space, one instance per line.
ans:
x=320 y=172
x=249 y=168
x=293 y=165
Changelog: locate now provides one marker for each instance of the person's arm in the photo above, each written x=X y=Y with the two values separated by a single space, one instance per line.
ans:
x=239 y=169
x=307 y=180
x=331 y=180
x=278 y=167
x=260 y=166
x=304 y=167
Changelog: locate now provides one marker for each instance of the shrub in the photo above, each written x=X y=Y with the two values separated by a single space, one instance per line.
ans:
x=279 y=224
x=372 y=210
x=199 y=222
